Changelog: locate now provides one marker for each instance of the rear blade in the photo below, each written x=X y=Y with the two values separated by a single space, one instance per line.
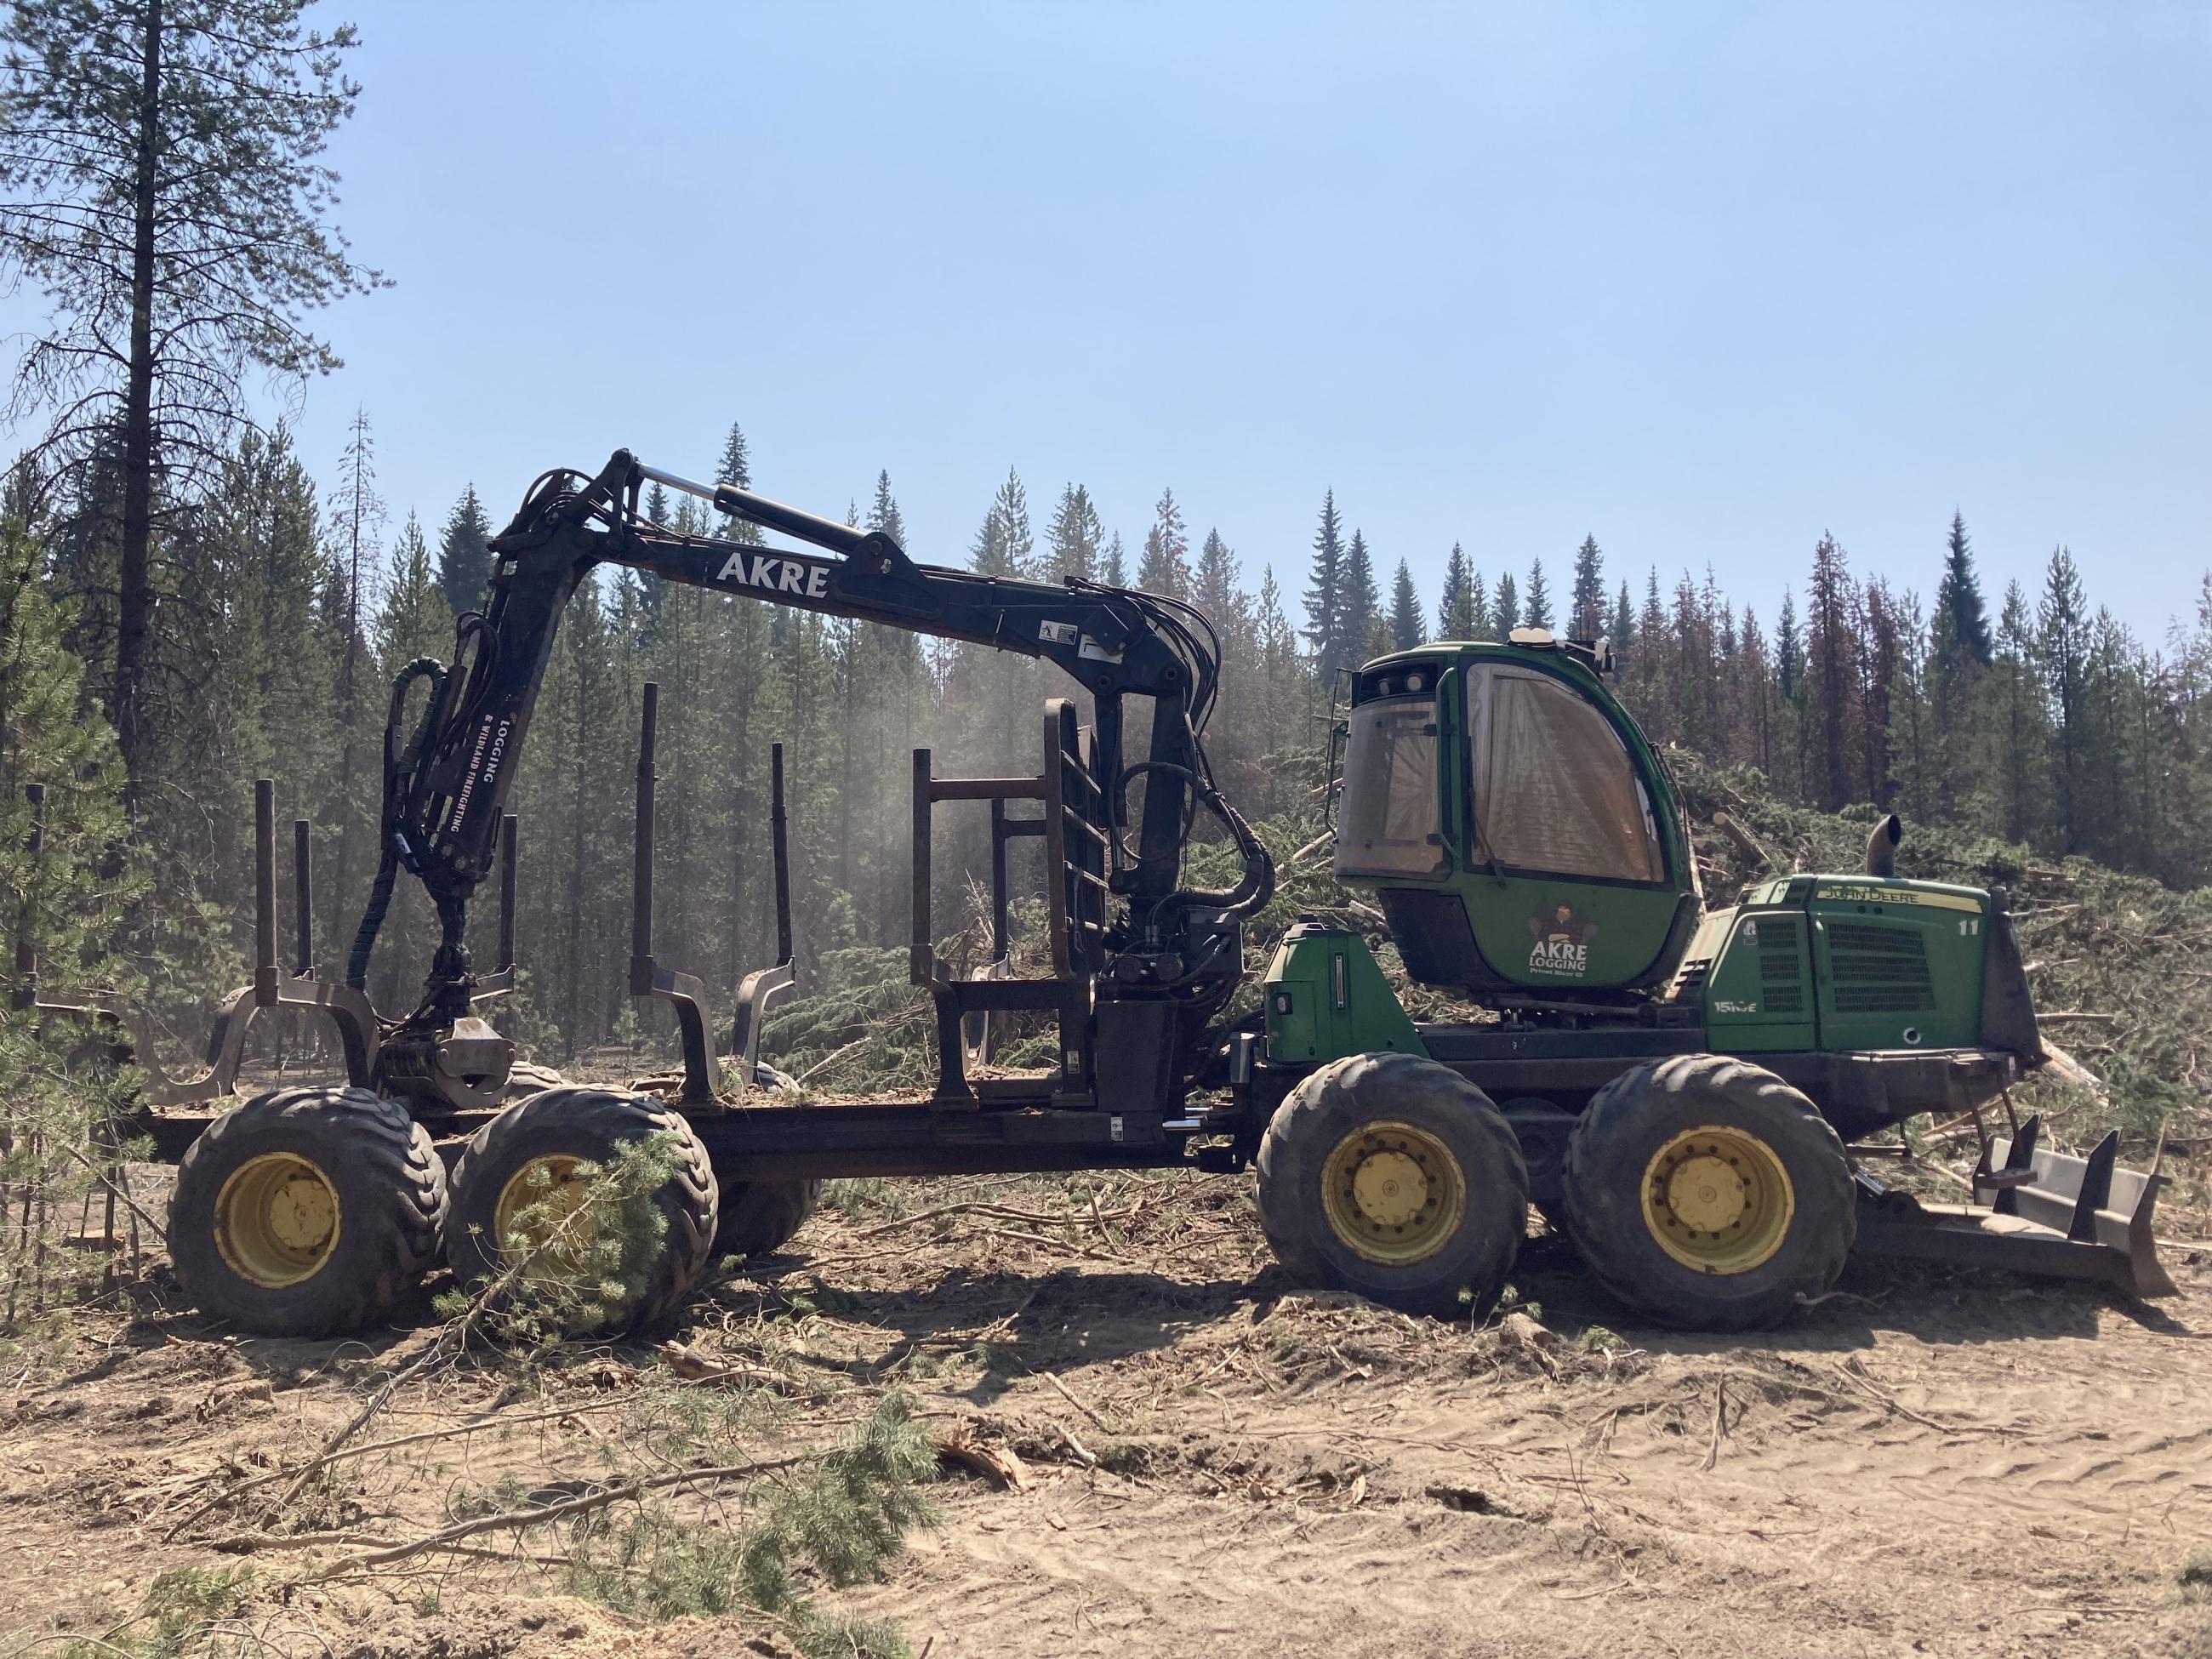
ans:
x=2048 y=1213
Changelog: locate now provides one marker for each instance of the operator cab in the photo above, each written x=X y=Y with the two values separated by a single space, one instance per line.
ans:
x=1518 y=832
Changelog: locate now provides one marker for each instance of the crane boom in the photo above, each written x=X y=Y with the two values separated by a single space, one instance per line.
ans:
x=446 y=785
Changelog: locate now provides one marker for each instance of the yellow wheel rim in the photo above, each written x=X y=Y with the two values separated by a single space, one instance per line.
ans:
x=277 y=1220
x=1394 y=1193
x=538 y=1212
x=1718 y=1199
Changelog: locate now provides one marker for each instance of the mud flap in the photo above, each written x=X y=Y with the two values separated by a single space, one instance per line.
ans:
x=2047 y=1213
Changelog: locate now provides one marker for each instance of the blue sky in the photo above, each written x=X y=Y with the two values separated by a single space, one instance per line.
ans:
x=1702 y=281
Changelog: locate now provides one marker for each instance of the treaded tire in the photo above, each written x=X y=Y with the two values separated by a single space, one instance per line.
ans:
x=589 y=1124
x=527 y=1078
x=390 y=1184
x=761 y=1216
x=1626 y=1124
x=1463 y=1275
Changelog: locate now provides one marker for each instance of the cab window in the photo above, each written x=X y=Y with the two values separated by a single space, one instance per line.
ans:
x=1555 y=788
x=1387 y=815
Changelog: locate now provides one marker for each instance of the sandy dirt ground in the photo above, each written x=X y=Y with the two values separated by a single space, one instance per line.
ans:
x=1203 y=1459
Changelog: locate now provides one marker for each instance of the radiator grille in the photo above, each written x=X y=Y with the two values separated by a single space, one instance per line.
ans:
x=1781 y=980
x=1880 y=970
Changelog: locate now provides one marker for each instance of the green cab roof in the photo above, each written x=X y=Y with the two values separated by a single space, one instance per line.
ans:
x=1527 y=644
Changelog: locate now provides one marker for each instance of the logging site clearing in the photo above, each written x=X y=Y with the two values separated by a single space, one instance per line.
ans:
x=1147 y=1442
x=670 y=1064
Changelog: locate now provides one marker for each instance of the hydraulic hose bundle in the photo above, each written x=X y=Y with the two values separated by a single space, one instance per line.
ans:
x=401 y=765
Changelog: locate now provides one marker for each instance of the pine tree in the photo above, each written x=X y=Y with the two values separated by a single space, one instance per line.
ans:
x=2134 y=781
x=1755 y=713
x=1882 y=651
x=883 y=511
x=463 y=557
x=1165 y=568
x=1647 y=676
x=64 y=904
x=2192 y=717
x=1012 y=507
x=988 y=555
x=1789 y=648
x=1536 y=611
x=1405 y=630
x=1504 y=608
x=2062 y=641
x=1114 y=569
x=1960 y=621
x=1075 y=536
x=1360 y=607
x=1324 y=597
x=1454 y=614
x=1586 y=604
x=1832 y=669
x=162 y=167
x=735 y=466
x=1690 y=678
x=1720 y=622
x=415 y=620
x=262 y=531
x=356 y=519
x=2017 y=725
x=1278 y=641
x=1621 y=636
x=1215 y=588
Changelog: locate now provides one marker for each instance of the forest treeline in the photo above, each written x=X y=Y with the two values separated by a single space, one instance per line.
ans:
x=186 y=607
x=286 y=605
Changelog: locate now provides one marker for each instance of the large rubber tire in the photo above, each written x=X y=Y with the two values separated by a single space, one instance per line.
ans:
x=588 y=1125
x=527 y=1078
x=1330 y=1113
x=1614 y=1152
x=759 y=1216
x=385 y=1186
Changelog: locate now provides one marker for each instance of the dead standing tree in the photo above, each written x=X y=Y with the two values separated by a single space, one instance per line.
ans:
x=160 y=161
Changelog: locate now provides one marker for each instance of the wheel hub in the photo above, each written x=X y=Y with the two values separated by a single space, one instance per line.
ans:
x=1718 y=1199
x=1392 y=1193
x=1706 y=1194
x=1390 y=1189
x=277 y=1220
x=538 y=1216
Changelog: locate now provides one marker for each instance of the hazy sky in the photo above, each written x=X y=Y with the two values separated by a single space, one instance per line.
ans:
x=1703 y=281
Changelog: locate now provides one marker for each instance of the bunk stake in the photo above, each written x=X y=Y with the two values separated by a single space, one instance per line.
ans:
x=265 y=893
x=303 y=906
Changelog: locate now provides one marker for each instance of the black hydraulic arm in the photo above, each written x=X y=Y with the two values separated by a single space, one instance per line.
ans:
x=446 y=785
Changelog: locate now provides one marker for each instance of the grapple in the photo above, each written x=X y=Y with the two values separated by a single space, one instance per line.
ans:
x=2036 y=1211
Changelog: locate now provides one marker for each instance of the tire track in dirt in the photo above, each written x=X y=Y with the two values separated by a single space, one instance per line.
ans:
x=1929 y=1490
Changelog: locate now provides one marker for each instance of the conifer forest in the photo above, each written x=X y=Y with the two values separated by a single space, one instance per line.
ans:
x=190 y=603
x=278 y=599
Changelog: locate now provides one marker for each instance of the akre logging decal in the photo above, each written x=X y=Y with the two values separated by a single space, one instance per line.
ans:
x=775 y=572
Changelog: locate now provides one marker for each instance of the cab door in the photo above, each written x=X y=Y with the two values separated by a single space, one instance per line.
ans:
x=1568 y=884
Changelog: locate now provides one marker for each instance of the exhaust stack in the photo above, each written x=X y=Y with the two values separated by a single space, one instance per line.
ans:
x=1881 y=848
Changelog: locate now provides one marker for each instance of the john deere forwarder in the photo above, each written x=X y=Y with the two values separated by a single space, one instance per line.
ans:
x=1673 y=1085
